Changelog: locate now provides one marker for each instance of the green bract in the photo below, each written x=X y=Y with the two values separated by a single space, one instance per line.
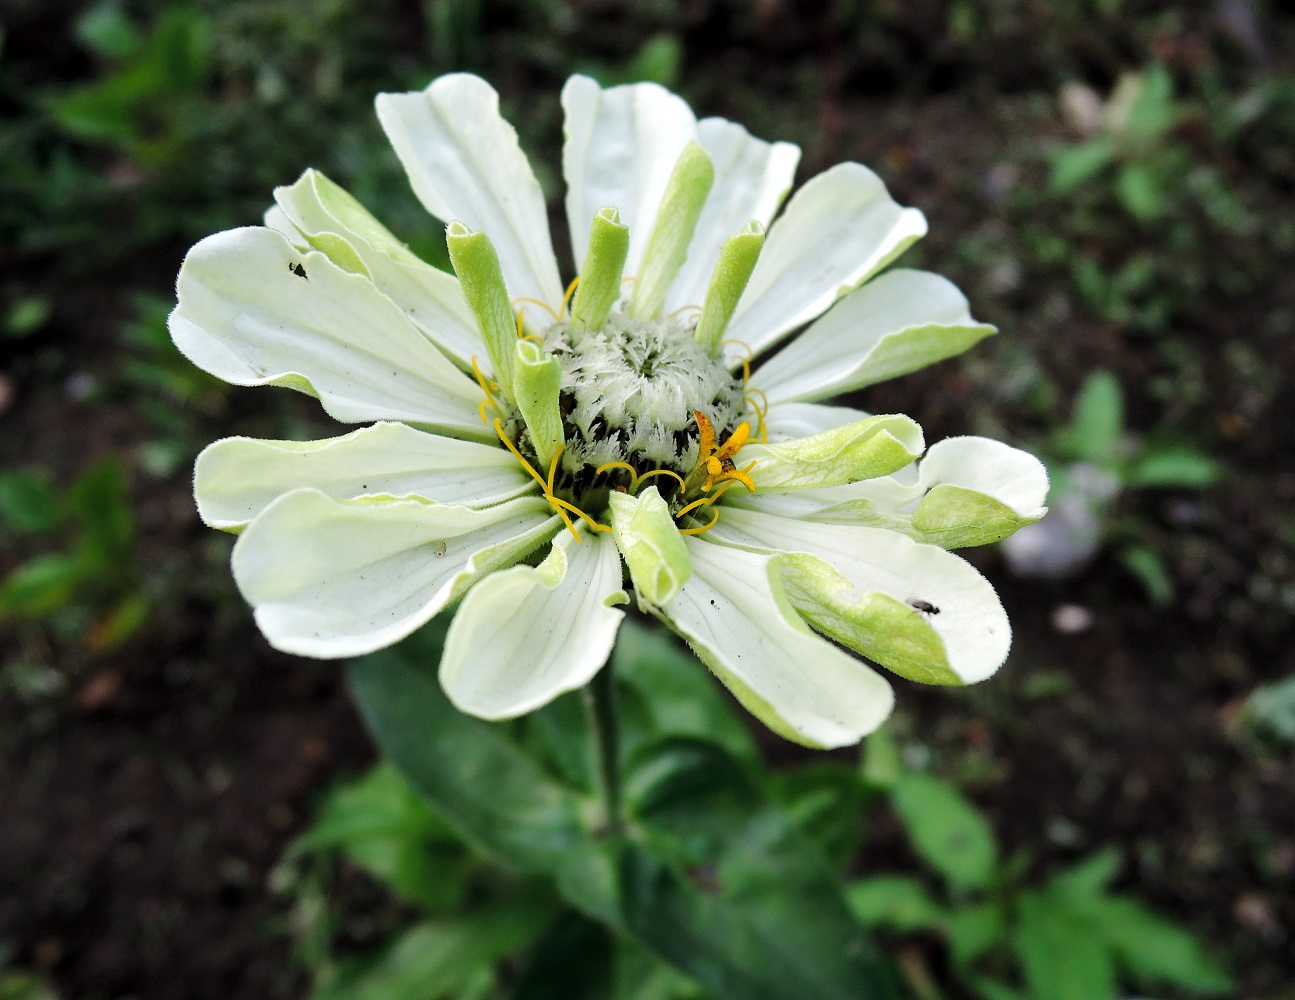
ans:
x=529 y=452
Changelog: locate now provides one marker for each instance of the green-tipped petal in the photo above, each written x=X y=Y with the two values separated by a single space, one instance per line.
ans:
x=672 y=231
x=333 y=578
x=254 y=310
x=477 y=266
x=968 y=491
x=651 y=544
x=870 y=448
x=327 y=217
x=897 y=323
x=525 y=635
x=600 y=277
x=728 y=282
x=537 y=378
x=836 y=232
x=736 y=617
x=913 y=608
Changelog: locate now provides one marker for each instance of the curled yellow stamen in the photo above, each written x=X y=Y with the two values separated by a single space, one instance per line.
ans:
x=661 y=472
x=546 y=485
x=745 y=359
x=761 y=408
x=485 y=387
x=571 y=290
x=703 y=528
x=618 y=465
x=536 y=302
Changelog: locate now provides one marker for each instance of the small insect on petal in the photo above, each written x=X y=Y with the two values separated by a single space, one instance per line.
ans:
x=926 y=607
x=298 y=270
x=440 y=549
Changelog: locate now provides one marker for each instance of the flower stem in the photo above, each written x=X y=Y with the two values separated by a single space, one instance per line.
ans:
x=600 y=702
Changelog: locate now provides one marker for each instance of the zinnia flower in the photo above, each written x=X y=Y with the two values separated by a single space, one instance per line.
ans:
x=529 y=450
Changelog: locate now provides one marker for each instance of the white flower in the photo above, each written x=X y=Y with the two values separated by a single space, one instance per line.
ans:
x=516 y=462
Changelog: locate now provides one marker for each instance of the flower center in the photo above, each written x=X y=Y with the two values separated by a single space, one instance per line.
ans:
x=629 y=399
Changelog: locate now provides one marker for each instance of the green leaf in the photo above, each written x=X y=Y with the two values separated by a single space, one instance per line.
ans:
x=665 y=692
x=881 y=766
x=572 y=961
x=1139 y=188
x=748 y=948
x=478 y=780
x=1098 y=420
x=990 y=989
x=1089 y=879
x=44 y=584
x=826 y=802
x=641 y=976
x=1073 y=165
x=383 y=825
x=1174 y=467
x=974 y=930
x=896 y=902
x=1156 y=950
x=1062 y=956
x=1151 y=571
x=947 y=831
x=1271 y=709
x=28 y=503
x=763 y=915
x=435 y=958
x=100 y=503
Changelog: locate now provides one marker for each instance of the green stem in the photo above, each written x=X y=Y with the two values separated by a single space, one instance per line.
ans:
x=600 y=701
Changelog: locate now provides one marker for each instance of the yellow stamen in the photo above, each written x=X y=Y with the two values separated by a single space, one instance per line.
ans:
x=485 y=387
x=571 y=290
x=618 y=465
x=553 y=467
x=703 y=528
x=536 y=302
x=546 y=485
x=746 y=360
x=660 y=472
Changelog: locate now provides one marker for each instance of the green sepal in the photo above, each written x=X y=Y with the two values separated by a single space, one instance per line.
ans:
x=600 y=279
x=537 y=379
x=727 y=283
x=649 y=540
x=676 y=220
x=477 y=266
x=865 y=449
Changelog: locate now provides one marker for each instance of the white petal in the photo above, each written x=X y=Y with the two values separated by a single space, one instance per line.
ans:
x=277 y=219
x=236 y=478
x=1007 y=474
x=735 y=616
x=246 y=316
x=837 y=230
x=431 y=299
x=466 y=165
x=984 y=473
x=900 y=322
x=971 y=622
x=786 y=421
x=619 y=148
x=523 y=636
x=334 y=578
x=751 y=179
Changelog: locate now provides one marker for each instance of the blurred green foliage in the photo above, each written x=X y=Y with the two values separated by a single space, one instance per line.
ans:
x=1069 y=939
x=88 y=587
x=516 y=872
